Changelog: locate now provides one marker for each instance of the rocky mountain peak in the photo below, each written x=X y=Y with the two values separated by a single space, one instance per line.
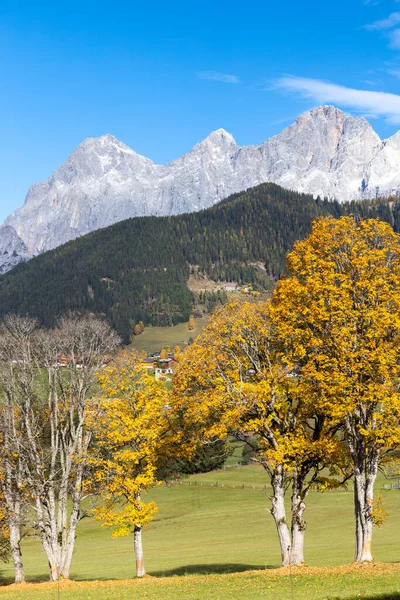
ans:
x=217 y=141
x=324 y=152
x=12 y=249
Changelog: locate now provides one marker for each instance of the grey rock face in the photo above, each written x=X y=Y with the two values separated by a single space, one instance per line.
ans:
x=12 y=249
x=325 y=152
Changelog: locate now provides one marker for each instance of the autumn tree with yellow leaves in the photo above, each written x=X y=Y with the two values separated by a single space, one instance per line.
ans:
x=232 y=381
x=338 y=315
x=131 y=425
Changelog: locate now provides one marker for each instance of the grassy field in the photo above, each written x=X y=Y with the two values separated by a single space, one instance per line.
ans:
x=155 y=338
x=222 y=541
x=371 y=583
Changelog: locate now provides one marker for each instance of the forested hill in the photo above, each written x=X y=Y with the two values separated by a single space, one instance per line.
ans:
x=138 y=269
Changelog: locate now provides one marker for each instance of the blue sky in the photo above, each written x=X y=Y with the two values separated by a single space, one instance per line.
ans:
x=161 y=76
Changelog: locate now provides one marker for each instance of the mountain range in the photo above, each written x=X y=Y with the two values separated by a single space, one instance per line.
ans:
x=325 y=152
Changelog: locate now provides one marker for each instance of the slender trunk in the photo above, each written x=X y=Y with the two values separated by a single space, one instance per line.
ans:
x=69 y=543
x=48 y=536
x=364 y=481
x=138 y=547
x=358 y=516
x=298 y=527
x=15 y=545
x=279 y=514
x=373 y=462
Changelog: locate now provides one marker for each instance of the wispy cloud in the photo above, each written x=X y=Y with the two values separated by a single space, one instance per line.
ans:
x=391 y=21
x=216 y=76
x=394 y=73
x=379 y=104
x=394 y=37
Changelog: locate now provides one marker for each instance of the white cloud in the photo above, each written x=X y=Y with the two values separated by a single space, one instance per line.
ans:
x=391 y=21
x=380 y=104
x=215 y=76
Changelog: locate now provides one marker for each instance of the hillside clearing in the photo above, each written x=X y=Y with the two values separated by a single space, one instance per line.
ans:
x=154 y=339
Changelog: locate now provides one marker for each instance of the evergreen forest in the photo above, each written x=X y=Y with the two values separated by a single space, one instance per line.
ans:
x=137 y=270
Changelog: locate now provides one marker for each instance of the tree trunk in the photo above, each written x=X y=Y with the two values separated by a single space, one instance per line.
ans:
x=357 y=515
x=15 y=545
x=279 y=514
x=366 y=551
x=138 y=547
x=298 y=529
x=364 y=481
x=373 y=462
x=54 y=571
x=69 y=544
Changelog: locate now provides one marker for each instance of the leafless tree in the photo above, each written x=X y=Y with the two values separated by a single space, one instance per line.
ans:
x=16 y=382
x=48 y=377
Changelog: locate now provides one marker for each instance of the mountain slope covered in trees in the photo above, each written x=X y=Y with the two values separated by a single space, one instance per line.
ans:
x=137 y=270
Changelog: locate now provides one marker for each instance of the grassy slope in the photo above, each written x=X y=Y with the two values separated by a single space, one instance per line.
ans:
x=213 y=530
x=154 y=338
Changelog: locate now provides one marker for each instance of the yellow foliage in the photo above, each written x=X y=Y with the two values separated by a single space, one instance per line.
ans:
x=379 y=513
x=131 y=424
x=338 y=316
x=232 y=380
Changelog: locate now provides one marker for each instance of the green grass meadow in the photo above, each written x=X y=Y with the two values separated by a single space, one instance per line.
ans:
x=155 y=338
x=218 y=541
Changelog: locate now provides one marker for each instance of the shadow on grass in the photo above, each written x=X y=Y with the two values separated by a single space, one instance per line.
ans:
x=388 y=596
x=181 y=571
x=210 y=569
x=42 y=578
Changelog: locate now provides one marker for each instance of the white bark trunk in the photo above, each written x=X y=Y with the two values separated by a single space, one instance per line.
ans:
x=138 y=547
x=279 y=514
x=365 y=474
x=366 y=551
x=15 y=545
x=298 y=531
x=69 y=542
x=298 y=526
x=357 y=515
x=297 y=550
x=54 y=571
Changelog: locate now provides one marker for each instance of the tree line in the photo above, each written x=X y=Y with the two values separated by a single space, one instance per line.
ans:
x=309 y=380
x=137 y=270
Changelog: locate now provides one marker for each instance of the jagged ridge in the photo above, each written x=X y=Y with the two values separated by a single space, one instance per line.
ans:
x=324 y=152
